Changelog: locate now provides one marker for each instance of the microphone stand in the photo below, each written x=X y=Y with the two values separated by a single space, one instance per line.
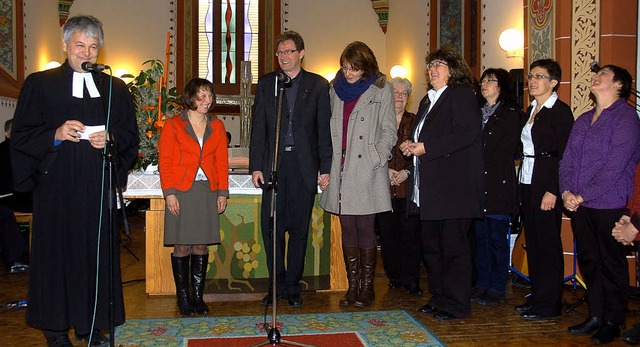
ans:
x=110 y=163
x=273 y=334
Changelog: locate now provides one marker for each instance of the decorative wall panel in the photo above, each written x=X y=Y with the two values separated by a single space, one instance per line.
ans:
x=585 y=39
x=541 y=29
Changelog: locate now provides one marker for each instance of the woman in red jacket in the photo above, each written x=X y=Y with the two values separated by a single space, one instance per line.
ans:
x=194 y=176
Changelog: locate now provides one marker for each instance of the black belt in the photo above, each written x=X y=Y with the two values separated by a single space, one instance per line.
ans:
x=542 y=155
x=289 y=148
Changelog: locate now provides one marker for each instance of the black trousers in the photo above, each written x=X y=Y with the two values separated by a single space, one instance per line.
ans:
x=400 y=241
x=602 y=262
x=294 y=204
x=544 y=253
x=447 y=255
x=12 y=243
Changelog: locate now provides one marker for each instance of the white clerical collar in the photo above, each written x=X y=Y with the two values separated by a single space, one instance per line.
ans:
x=79 y=81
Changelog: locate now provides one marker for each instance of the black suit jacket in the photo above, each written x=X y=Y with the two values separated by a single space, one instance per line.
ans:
x=451 y=180
x=550 y=133
x=311 y=131
x=501 y=145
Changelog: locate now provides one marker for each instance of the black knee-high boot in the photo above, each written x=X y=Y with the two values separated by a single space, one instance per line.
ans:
x=368 y=257
x=180 y=266
x=199 y=264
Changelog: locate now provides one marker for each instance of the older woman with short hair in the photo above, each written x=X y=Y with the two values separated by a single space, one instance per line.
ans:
x=400 y=231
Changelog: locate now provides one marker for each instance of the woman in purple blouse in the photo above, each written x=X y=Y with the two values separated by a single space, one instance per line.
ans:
x=596 y=178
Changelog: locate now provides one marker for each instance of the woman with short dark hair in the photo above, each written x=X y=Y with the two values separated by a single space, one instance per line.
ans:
x=194 y=176
x=544 y=137
x=501 y=121
x=596 y=178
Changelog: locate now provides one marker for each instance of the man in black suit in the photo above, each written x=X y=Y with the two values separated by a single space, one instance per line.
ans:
x=303 y=163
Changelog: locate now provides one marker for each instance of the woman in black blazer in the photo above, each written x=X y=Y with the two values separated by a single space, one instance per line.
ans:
x=544 y=137
x=501 y=124
x=447 y=149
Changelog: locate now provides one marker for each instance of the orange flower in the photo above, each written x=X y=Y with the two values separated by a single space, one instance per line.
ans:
x=159 y=124
x=148 y=108
x=149 y=133
x=141 y=155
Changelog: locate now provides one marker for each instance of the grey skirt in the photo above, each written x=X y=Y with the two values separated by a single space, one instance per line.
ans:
x=198 y=222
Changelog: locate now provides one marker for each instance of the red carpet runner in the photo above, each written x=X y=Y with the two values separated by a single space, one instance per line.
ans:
x=318 y=340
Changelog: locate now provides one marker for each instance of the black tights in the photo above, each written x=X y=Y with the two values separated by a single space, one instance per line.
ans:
x=185 y=250
x=357 y=231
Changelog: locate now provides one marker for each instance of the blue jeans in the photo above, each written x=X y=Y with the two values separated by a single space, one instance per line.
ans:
x=492 y=252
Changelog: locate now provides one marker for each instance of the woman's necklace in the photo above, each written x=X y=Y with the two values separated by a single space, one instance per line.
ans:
x=198 y=121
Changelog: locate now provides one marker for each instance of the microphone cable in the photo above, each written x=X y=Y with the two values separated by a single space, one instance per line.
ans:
x=101 y=213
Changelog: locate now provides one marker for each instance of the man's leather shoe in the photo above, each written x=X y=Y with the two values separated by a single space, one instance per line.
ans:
x=97 y=340
x=490 y=298
x=59 y=341
x=427 y=309
x=394 y=284
x=413 y=289
x=589 y=326
x=530 y=315
x=18 y=266
x=268 y=299
x=522 y=308
x=444 y=316
x=295 y=300
x=477 y=293
x=606 y=333
x=632 y=336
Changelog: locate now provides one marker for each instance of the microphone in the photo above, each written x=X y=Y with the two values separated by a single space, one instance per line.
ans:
x=87 y=66
x=284 y=78
x=594 y=66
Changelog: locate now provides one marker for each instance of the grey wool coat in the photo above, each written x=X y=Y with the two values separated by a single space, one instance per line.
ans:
x=362 y=186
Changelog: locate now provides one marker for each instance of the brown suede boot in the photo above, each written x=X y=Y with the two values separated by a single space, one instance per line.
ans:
x=368 y=257
x=352 y=263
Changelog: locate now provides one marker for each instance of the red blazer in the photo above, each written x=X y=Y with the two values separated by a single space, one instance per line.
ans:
x=180 y=155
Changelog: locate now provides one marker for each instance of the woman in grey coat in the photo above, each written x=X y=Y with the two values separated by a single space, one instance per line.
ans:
x=363 y=131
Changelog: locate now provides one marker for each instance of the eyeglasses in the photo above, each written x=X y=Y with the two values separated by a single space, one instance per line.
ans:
x=436 y=64
x=537 y=77
x=487 y=82
x=403 y=94
x=346 y=69
x=287 y=52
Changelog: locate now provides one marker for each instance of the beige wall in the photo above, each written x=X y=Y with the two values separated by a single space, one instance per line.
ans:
x=328 y=26
x=135 y=31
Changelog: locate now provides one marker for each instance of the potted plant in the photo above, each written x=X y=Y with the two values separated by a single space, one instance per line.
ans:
x=154 y=104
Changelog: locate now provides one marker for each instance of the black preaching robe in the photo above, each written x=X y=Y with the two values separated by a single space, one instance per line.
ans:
x=66 y=181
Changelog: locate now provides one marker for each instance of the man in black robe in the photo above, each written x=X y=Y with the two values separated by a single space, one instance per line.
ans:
x=57 y=155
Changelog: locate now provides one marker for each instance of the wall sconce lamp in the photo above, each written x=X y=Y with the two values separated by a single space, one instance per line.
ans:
x=512 y=42
x=330 y=76
x=398 y=71
x=124 y=75
x=52 y=64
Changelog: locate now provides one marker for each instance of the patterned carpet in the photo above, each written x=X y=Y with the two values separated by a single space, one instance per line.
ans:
x=375 y=328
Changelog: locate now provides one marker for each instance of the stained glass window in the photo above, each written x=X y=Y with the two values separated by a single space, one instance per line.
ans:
x=228 y=32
